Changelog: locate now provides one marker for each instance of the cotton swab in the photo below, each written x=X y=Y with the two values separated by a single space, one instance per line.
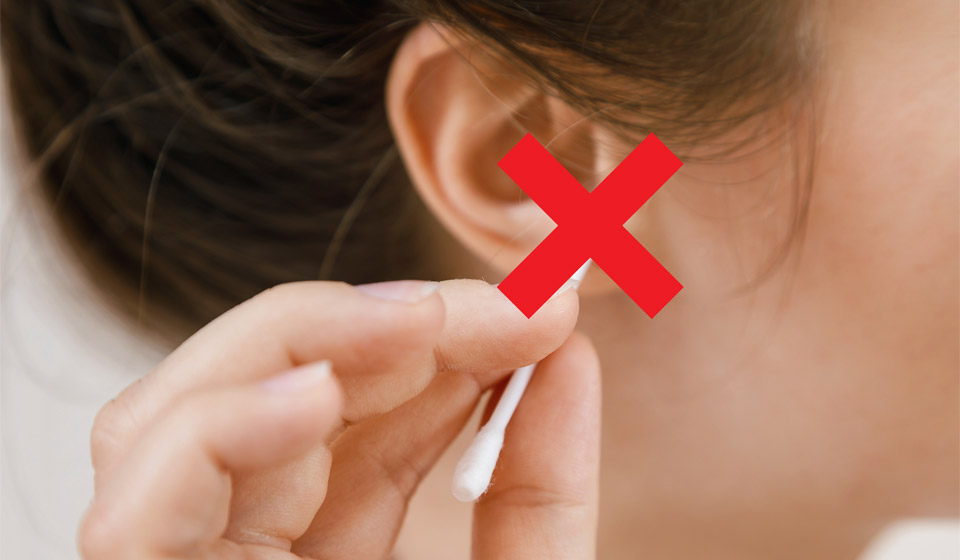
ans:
x=471 y=478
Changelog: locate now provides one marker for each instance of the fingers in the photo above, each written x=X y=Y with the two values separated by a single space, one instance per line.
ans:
x=281 y=328
x=385 y=351
x=170 y=495
x=543 y=503
x=378 y=465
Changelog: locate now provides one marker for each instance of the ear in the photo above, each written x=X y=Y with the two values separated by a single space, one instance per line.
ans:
x=455 y=112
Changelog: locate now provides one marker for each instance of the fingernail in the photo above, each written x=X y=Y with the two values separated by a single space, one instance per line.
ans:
x=299 y=378
x=400 y=290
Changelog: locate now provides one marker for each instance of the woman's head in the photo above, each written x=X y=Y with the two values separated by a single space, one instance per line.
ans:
x=203 y=151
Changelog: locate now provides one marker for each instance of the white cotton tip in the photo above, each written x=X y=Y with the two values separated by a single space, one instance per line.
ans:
x=581 y=273
x=472 y=475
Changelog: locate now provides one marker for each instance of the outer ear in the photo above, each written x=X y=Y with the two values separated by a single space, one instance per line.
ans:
x=455 y=112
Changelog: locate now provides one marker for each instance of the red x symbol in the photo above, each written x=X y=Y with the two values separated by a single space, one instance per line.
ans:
x=590 y=225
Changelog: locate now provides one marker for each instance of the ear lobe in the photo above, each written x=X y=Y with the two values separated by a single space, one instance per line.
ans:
x=455 y=113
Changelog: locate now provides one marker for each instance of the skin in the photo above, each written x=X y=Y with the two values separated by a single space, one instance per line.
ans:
x=234 y=447
x=793 y=419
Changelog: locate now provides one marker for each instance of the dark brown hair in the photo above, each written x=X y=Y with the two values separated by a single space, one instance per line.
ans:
x=199 y=151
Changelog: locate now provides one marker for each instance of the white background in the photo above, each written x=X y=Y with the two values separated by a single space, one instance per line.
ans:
x=62 y=356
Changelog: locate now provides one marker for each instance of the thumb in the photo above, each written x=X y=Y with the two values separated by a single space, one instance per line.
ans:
x=543 y=503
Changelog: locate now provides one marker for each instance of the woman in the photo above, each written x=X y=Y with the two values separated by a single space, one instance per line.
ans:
x=796 y=396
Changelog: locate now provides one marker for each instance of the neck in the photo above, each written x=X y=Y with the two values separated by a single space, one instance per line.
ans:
x=682 y=477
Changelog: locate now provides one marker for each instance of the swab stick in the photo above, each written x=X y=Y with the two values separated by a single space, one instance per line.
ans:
x=471 y=478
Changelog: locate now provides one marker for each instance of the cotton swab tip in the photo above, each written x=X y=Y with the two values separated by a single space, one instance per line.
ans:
x=472 y=474
x=581 y=273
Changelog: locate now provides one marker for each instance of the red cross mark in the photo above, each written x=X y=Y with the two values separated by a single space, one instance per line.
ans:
x=590 y=225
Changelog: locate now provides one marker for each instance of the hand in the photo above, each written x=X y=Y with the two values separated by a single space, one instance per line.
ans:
x=242 y=444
